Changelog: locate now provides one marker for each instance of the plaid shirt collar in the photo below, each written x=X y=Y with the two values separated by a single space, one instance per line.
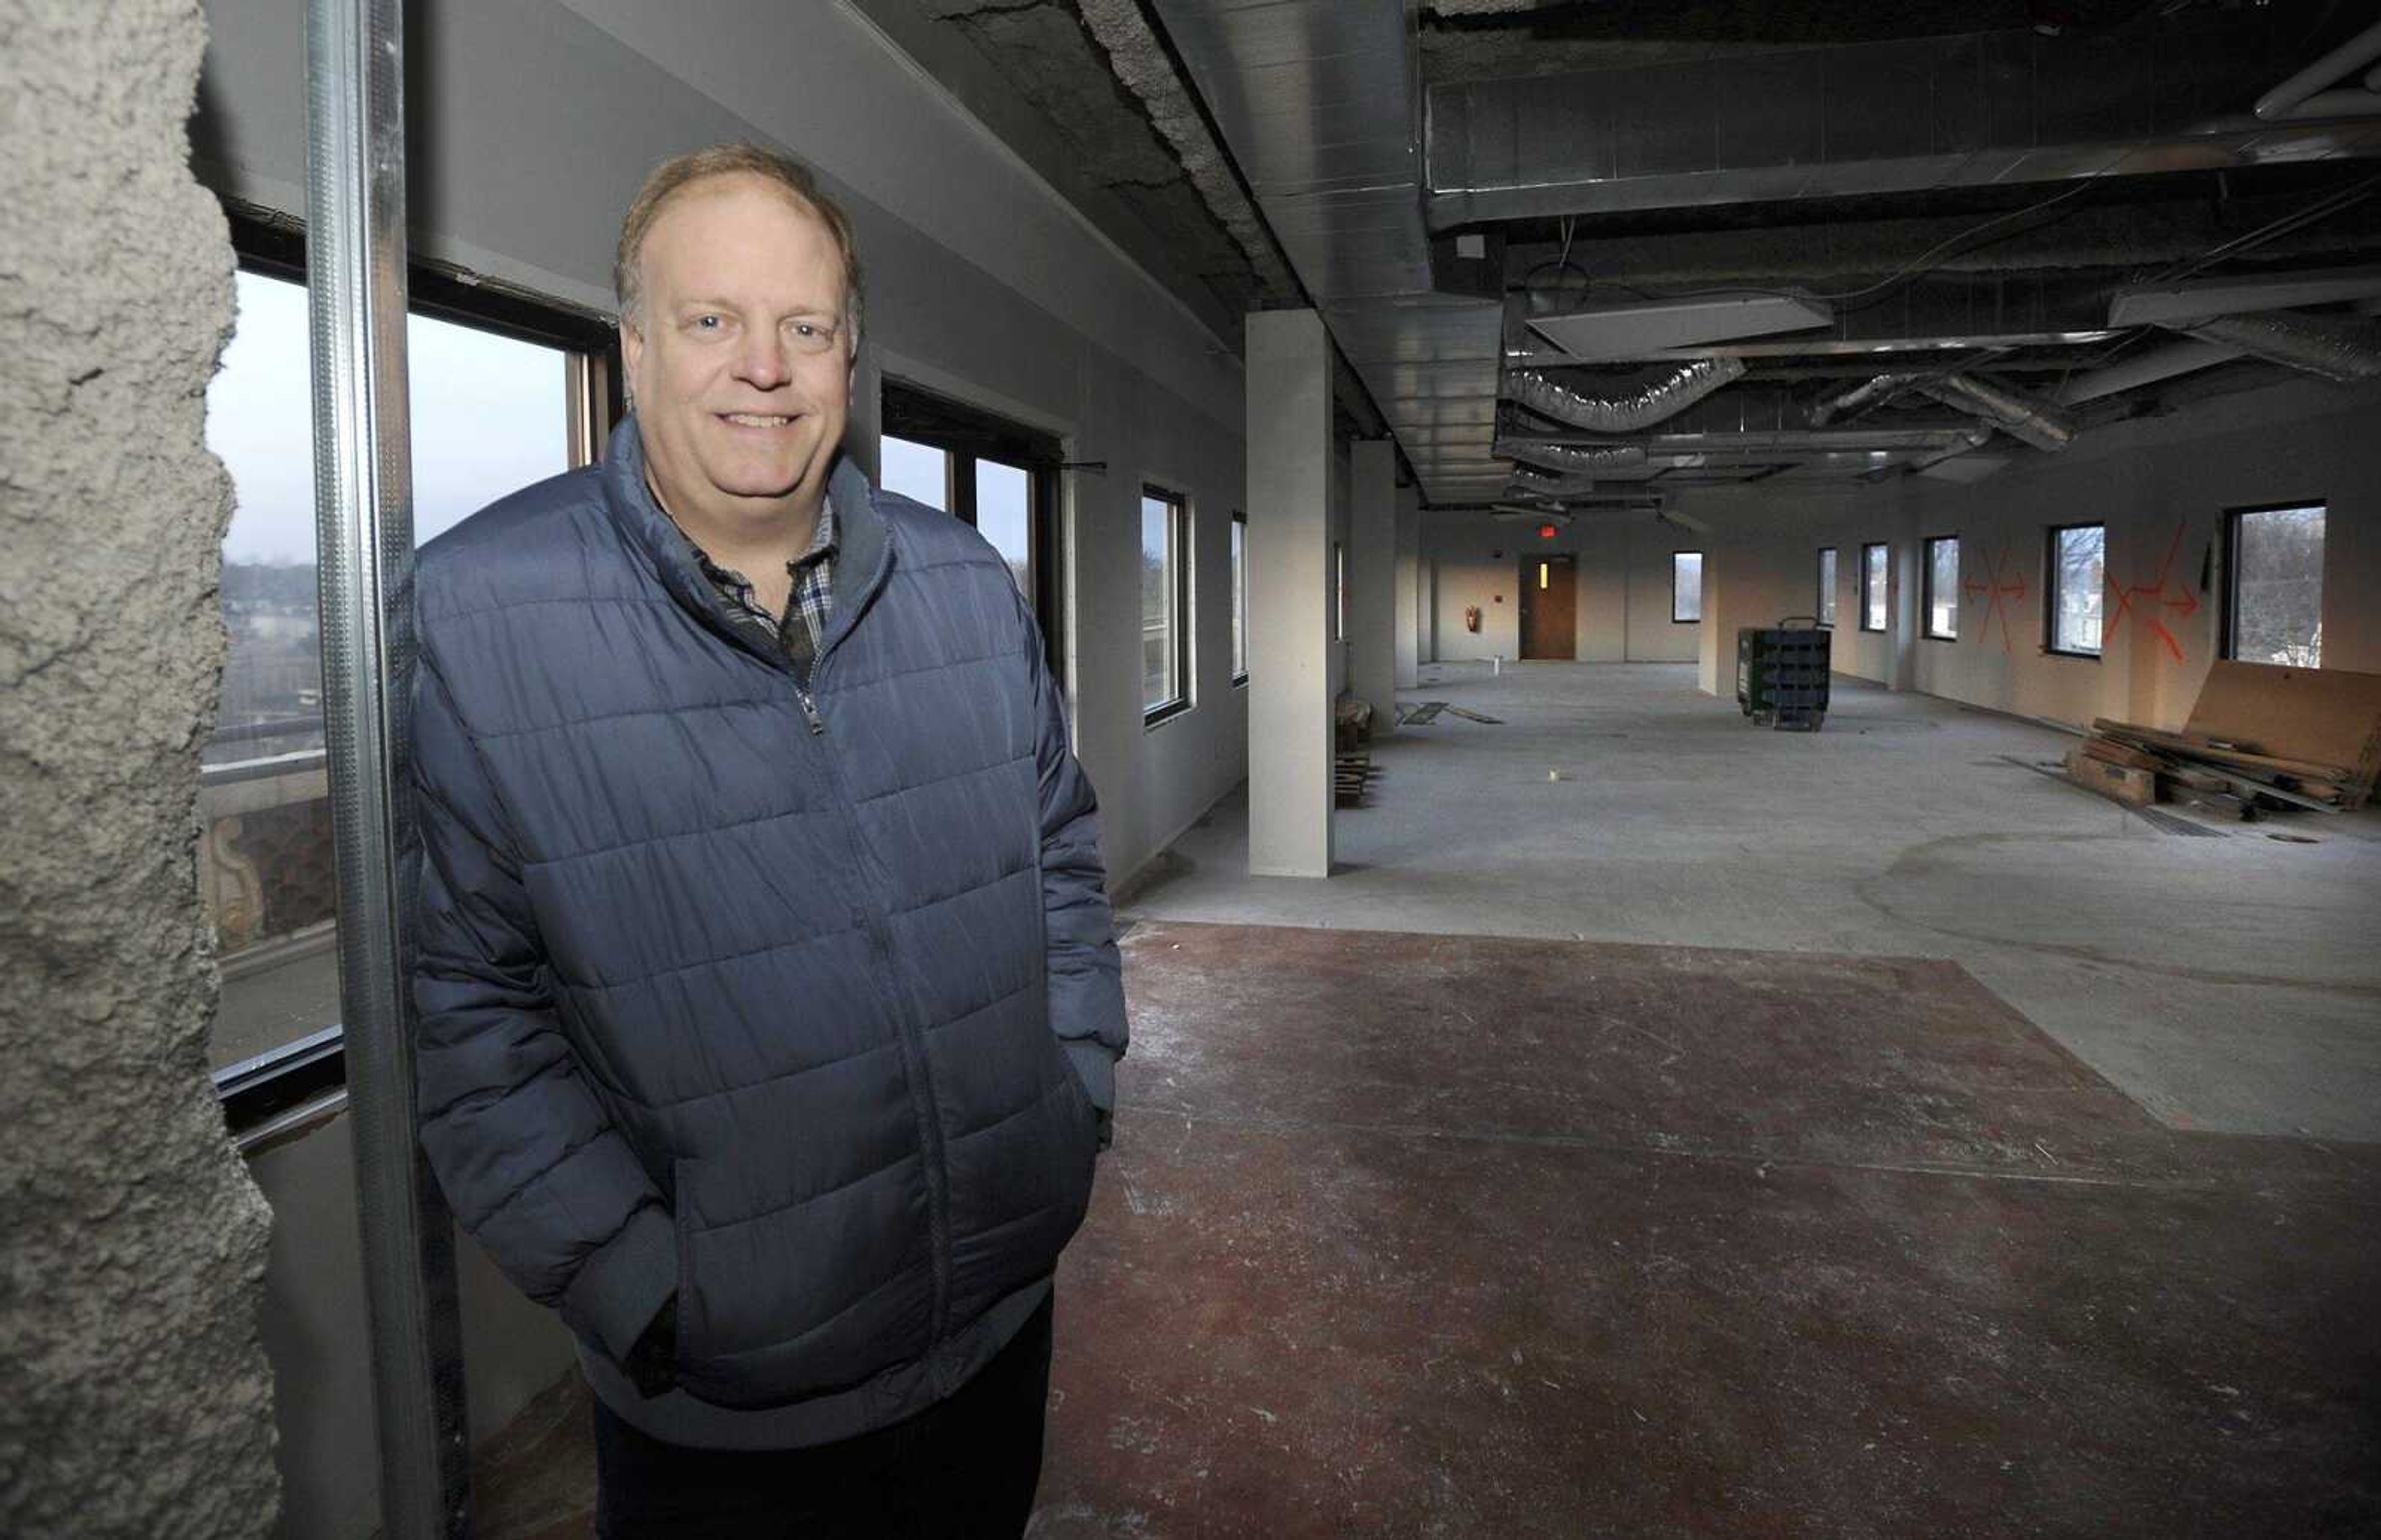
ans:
x=799 y=632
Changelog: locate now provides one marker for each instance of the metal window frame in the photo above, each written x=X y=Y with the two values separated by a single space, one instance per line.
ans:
x=1178 y=555
x=264 y=1091
x=1676 y=619
x=1884 y=585
x=1926 y=590
x=1239 y=558
x=2228 y=634
x=2050 y=588
x=1827 y=584
x=966 y=433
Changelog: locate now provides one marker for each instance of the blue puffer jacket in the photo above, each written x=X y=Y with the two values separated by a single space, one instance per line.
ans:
x=806 y=1022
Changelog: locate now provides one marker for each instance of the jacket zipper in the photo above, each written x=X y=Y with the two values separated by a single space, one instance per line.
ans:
x=913 y=1052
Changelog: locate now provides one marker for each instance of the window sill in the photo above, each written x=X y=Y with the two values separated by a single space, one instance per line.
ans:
x=1157 y=716
x=1240 y=681
x=2070 y=652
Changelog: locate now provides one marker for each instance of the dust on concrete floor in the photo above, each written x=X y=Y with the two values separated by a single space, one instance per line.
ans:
x=1774 y=1329
x=1410 y=1235
x=2226 y=983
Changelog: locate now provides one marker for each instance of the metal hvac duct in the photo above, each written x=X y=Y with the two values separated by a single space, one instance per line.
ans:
x=2018 y=414
x=1621 y=415
x=2336 y=348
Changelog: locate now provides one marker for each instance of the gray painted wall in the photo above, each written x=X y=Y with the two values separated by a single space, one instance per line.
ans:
x=1624 y=585
x=138 y=1399
x=532 y=123
x=2160 y=485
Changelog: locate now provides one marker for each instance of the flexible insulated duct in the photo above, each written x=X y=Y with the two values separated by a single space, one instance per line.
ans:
x=1568 y=461
x=1530 y=481
x=1621 y=415
x=1857 y=396
x=2335 y=347
x=2021 y=415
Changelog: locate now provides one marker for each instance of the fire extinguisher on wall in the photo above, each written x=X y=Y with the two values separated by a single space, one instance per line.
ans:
x=1471 y=618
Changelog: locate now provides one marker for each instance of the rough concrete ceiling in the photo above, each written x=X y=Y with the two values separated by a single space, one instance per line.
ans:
x=1088 y=95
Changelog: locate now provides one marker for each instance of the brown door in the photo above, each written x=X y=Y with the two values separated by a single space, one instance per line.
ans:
x=1550 y=605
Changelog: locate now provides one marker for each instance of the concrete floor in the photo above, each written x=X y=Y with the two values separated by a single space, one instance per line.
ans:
x=1439 y=1231
x=2227 y=983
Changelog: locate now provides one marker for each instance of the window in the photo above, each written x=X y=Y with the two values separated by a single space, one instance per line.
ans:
x=915 y=470
x=2274 y=599
x=986 y=470
x=502 y=392
x=1872 y=587
x=1239 y=598
x=1940 y=578
x=1686 y=587
x=2076 y=590
x=1826 y=585
x=1164 y=605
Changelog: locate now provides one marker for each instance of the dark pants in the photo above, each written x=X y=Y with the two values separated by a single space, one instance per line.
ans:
x=965 y=1467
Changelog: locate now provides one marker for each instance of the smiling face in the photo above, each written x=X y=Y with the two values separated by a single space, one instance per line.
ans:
x=740 y=359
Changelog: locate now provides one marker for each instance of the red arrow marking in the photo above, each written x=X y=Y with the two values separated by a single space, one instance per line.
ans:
x=2188 y=604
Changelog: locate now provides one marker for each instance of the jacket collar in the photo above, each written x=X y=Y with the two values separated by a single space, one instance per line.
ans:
x=864 y=547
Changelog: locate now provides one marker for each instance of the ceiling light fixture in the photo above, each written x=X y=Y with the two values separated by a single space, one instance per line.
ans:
x=1605 y=333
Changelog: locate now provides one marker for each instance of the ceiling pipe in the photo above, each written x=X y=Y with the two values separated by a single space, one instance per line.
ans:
x=1549 y=398
x=2336 y=348
x=2021 y=414
x=2303 y=95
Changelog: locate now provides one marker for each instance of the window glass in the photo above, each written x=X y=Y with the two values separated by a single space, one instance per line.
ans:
x=1828 y=586
x=2277 y=586
x=1872 y=587
x=1004 y=515
x=2077 y=581
x=1159 y=683
x=1686 y=585
x=915 y=470
x=1943 y=587
x=489 y=416
x=1239 y=597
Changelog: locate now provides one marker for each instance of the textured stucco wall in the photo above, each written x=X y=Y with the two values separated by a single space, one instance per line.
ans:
x=137 y=1400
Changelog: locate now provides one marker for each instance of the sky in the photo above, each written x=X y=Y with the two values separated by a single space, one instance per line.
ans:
x=488 y=417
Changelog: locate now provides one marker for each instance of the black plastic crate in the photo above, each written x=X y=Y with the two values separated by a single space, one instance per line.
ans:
x=1782 y=673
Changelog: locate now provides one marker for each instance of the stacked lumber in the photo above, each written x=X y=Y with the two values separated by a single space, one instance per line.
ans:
x=1351 y=771
x=2260 y=735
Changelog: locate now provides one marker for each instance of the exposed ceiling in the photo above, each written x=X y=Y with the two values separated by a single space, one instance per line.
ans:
x=1556 y=243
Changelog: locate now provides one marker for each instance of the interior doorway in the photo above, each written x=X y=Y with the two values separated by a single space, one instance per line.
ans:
x=1550 y=605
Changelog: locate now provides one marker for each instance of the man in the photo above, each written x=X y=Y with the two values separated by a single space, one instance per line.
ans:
x=768 y=1003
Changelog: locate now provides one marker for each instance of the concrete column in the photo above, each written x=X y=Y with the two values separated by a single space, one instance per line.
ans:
x=1290 y=587
x=1373 y=579
x=1905 y=625
x=1715 y=639
x=141 y=1401
x=1410 y=588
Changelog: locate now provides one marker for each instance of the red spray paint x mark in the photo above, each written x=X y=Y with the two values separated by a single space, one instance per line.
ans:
x=2187 y=603
x=2012 y=586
